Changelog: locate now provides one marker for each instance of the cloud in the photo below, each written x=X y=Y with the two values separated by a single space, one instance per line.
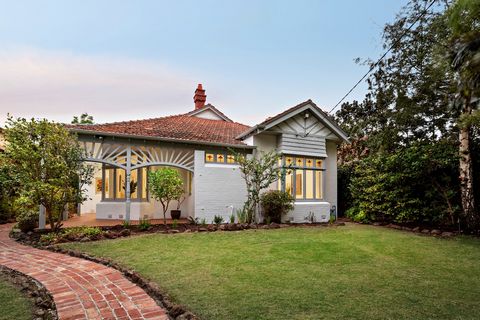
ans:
x=58 y=85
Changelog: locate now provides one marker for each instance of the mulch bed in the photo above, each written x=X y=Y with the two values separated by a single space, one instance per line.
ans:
x=119 y=231
x=44 y=306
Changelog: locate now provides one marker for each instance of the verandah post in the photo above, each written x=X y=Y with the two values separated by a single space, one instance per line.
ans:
x=127 y=182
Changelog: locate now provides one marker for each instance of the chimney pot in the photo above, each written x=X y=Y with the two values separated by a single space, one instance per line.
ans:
x=200 y=97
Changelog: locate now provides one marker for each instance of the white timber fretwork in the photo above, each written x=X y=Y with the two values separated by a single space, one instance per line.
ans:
x=131 y=156
x=116 y=154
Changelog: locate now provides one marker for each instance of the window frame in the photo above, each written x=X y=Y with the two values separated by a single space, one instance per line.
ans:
x=304 y=168
x=215 y=154
x=114 y=185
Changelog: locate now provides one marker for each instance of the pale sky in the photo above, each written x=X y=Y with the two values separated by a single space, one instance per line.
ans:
x=123 y=60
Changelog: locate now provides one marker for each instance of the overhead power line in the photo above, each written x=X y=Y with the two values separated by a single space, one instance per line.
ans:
x=383 y=56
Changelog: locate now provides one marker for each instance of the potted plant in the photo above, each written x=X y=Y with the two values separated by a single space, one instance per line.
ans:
x=165 y=185
x=181 y=197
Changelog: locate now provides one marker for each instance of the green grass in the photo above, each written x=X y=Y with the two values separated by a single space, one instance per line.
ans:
x=351 y=272
x=13 y=304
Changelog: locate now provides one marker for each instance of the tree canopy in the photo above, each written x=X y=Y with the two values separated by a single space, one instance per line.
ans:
x=45 y=163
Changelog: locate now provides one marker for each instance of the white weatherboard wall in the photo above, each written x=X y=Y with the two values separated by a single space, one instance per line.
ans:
x=219 y=189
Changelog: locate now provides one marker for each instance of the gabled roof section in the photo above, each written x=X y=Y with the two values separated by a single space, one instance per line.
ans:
x=291 y=112
x=181 y=128
x=211 y=108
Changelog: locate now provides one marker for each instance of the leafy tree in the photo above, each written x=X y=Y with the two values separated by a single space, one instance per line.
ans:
x=463 y=18
x=84 y=118
x=407 y=100
x=259 y=172
x=45 y=163
x=165 y=185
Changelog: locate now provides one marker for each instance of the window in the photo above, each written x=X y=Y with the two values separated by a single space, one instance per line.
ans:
x=219 y=157
x=302 y=177
x=114 y=183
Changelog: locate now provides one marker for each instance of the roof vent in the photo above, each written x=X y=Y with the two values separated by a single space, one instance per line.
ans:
x=200 y=97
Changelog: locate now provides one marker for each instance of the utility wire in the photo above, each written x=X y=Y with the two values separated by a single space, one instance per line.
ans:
x=383 y=56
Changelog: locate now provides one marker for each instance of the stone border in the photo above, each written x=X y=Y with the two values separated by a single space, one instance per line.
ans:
x=44 y=306
x=416 y=230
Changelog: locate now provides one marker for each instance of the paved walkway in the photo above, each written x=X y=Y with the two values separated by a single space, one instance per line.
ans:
x=81 y=289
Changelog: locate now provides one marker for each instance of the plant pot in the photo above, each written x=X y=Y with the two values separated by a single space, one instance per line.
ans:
x=175 y=214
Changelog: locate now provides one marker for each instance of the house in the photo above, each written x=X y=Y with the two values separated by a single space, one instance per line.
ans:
x=200 y=144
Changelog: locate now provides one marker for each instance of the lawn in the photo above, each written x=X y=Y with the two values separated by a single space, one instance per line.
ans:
x=356 y=271
x=13 y=304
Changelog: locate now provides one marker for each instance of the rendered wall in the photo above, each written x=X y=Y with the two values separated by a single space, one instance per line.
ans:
x=218 y=189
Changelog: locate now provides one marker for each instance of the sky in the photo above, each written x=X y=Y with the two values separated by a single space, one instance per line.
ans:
x=124 y=60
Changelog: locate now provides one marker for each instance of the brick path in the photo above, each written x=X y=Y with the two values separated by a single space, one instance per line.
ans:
x=81 y=289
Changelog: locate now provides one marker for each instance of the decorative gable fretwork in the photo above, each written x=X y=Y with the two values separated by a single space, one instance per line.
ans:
x=302 y=134
x=116 y=154
x=303 y=126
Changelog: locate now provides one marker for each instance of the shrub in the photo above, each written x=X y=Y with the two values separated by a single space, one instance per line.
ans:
x=415 y=184
x=80 y=232
x=241 y=215
x=217 y=220
x=203 y=222
x=174 y=223
x=193 y=221
x=275 y=204
x=144 y=224
x=27 y=221
x=126 y=224
x=232 y=219
x=48 y=238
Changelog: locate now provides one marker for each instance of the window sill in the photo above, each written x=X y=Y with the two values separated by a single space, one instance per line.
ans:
x=221 y=165
x=310 y=202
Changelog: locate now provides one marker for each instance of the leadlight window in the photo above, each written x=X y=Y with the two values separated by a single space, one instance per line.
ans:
x=220 y=157
x=302 y=177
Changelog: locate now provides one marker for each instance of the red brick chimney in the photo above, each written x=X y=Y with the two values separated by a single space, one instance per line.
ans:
x=200 y=97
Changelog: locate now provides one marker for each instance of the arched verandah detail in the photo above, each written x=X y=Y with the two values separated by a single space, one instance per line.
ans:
x=132 y=156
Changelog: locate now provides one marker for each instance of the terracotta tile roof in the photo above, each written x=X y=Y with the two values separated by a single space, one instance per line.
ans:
x=182 y=127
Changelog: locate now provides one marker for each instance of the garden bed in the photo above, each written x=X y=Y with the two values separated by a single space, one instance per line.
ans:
x=39 y=238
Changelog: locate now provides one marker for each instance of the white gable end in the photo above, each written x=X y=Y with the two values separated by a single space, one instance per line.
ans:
x=208 y=114
x=302 y=134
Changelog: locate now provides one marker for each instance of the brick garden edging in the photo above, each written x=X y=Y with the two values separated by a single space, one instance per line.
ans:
x=175 y=311
x=45 y=308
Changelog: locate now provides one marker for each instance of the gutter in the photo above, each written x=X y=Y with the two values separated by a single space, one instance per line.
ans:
x=137 y=137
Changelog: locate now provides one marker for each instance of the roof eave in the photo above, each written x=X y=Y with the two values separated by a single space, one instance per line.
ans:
x=259 y=128
x=138 y=137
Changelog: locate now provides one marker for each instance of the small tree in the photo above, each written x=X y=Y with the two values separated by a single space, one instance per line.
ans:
x=259 y=173
x=165 y=185
x=46 y=164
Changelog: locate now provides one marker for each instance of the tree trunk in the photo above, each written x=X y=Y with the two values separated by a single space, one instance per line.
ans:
x=466 y=175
